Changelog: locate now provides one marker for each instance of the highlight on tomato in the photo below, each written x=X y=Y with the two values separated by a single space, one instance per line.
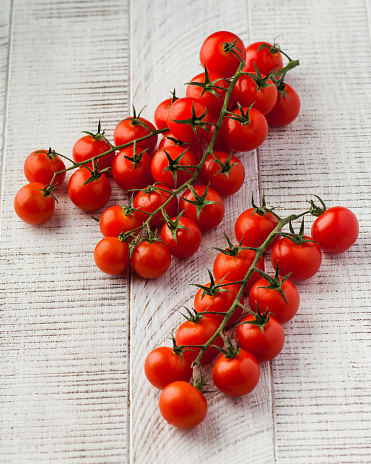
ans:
x=34 y=203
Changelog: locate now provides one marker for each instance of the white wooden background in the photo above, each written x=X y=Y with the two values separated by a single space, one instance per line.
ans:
x=73 y=341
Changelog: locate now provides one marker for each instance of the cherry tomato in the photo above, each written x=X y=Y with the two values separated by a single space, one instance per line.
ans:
x=151 y=259
x=222 y=53
x=88 y=147
x=303 y=260
x=132 y=170
x=336 y=229
x=206 y=216
x=188 y=237
x=91 y=196
x=263 y=345
x=152 y=198
x=266 y=60
x=33 y=205
x=180 y=171
x=226 y=176
x=118 y=219
x=237 y=375
x=245 y=136
x=198 y=333
x=195 y=147
x=286 y=108
x=161 y=112
x=272 y=299
x=41 y=165
x=220 y=301
x=111 y=255
x=181 y=110
x=182 y=405
x=253 y=227
x=219 y=143
x=133 y=128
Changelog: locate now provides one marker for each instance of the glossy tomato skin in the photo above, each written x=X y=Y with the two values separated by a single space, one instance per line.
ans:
x=32 y=206
x=161 y=112
x=182 y=405
x=211 y=215
x=336 y=229
x=236 y=376
x=88 y=147
x=151 y=259
x=285 y=110
x=225 y=183
x=182 y=110
x=234 y=268
x=151 y=201
x=160 y=163
x=163 y=366
x=264 y=346
x=217 y=59
x=130 y=129
x=220 y=302
x=114 y=221
x=195 y=148
x=39 y=167
x=271 y=299
x=198 y=333
x=245 y=137
x=111 y=255
x=302 y=260
x=128 y=176
x=265 y=60
x=91 y=196
x=188 y=240
x=253 y=228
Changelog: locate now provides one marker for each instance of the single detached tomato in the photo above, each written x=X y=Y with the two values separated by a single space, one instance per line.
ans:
x=192 y=110
x=336 y=229
x=151 y=259
x=182 y=236
x=152 y=198
x=132 y=169
x=286 y=108
x=218 y=299
x=41 y=165
x=91 y=146
x=236 y=375
x=195 y=147
x=172 y=165
x=203 y=205
x=223 y=172
x=267 y=295
x=34 y=204
x=264 y=56
x=182 y=405
x=118 y=219
x=198 y=332
x=92 y=195
x=301 y=259
x=133 y=128
x=253 y=227
x=165 y=365
x=222 y=53
x=246 y=130
x=111 y=255
x=264 y=344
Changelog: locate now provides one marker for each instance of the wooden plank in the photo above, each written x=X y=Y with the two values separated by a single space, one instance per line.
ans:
x=165 y=41
x=63 y=324
x=322 y=378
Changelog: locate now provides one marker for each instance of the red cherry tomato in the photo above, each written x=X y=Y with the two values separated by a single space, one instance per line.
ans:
x=266 y=60
x=237 y=375
x=33 y=205
x=263 y=345
x=182 y=405
x=164 y=365
x=111 y=255
x=222 y=53
x=219 y=143
x=151 y=259
x=286 y=108
x=161 y=112
x=253 y=228
x=88 y=147
x=152 y=198
x=118 y=219
x=188 y=237
x=133 y=128
x=91 y=196
x=41 y=165
x=132 y=170
x=195 y=148
x=336 y=229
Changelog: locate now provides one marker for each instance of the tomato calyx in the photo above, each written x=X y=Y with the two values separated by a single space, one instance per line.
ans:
x=47 y=191
x=99 y=135
x=136 y=121
x=274 y=49
x=317 y=210
x=199 y=200
x=262 y=210
x=178 y=350
x=299 y=238
x=195 y=121
x=175 y=166
x=230 y=351
x=231 y=47
x=212 y=288
x=193 y=316
x=242 y=118
x=174 y=226
x=233 y=250
x=136 y=159
x=208 y=85
x=173 y=97
x=261 y=82
x=275 y=283
x=261 y=320
x=225 y=167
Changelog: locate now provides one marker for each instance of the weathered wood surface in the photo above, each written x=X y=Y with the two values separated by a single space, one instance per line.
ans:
x=73 y=341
